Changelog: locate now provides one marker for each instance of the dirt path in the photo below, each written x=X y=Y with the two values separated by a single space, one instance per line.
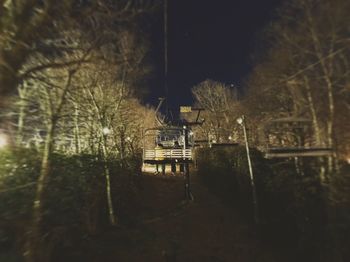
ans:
x=166 y=228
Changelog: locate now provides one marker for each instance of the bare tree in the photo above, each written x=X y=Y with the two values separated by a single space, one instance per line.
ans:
x=26 y=24
x=219 y=101
x=305 y=70
x=51 y=96
x=50 y=60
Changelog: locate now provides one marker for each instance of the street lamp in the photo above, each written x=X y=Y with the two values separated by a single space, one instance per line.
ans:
x=241 y=121
x=106 y=131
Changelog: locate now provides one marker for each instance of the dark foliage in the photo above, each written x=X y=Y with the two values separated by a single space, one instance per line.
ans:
x=75 y=200
x=296 y=212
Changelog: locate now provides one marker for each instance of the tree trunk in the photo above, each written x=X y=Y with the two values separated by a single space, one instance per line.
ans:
x=33 y=244
x=122 y=145
x=112 y=217
x=21 y=115
x=76 y=130
x=329 y=85
x=32 y=253
x=316 y=127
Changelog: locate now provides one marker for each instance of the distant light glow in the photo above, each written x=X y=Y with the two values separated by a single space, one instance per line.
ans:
x=348 y=160
x=128 y=138
x=230 y=138
x=3 y=141
x=240 y=120
x=106 y=130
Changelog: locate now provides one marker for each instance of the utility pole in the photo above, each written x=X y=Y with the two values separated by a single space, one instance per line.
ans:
x=188 y=192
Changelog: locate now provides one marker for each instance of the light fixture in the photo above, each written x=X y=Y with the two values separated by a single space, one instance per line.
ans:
x=106 y=131
x=240 y=120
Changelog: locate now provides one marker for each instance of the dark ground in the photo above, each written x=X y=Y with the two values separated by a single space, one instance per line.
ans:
x=160 y=226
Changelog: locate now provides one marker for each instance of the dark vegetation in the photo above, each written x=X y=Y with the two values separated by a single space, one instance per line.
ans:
x=300 y=219
x=307 y=220
x=75 y=201
x=154 y=223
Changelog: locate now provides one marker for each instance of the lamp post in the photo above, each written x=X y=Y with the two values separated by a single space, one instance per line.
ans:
x=186 y=166
x=112 y=218
x=106 y=131
x=241 y=121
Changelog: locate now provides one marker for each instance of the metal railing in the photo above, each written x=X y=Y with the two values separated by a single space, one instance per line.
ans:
x=160 y=154
x=281 y=152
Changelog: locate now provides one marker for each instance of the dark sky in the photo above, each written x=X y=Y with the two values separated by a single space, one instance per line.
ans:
x=206 y=39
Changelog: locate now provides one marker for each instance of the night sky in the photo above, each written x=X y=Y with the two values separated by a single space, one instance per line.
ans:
x=206 y=39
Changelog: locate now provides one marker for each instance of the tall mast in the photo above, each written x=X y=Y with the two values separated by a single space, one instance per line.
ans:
x=166 y=53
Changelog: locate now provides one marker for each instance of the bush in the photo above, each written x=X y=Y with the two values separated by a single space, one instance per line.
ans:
x=226 y=172
x=75 y=198
x=292 y=207
x=19 y=171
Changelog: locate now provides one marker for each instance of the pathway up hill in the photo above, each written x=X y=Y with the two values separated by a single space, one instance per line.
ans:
x=163 y=227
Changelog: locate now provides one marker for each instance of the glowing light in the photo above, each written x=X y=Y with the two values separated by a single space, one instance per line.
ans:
x=106 y=131
x=128 y=138
x=240 y=120
x=230 y=138
x=348 y=160
x=3 y=141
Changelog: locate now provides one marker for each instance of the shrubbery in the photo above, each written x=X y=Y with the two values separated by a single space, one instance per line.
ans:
x=75 y=198
x=294 y=209
x=226 y=172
